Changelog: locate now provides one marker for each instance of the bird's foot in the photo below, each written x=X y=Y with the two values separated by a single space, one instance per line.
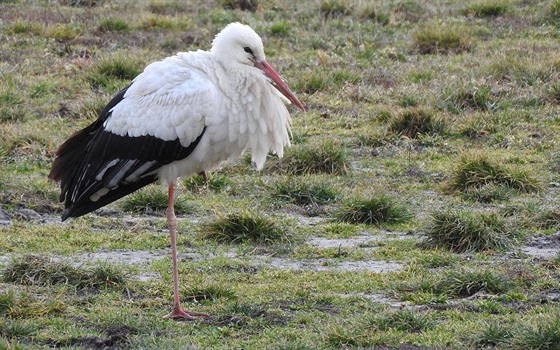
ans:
x=179 y=314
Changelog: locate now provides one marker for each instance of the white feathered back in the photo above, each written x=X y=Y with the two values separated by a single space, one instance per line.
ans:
x=182 y=95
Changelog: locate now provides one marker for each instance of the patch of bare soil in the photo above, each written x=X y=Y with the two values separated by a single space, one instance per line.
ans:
x=121 y=256
x=116 y=337
x=269 y=317
x=542 y=246
x=380 y=299
x=326 y=264
x=364 y=239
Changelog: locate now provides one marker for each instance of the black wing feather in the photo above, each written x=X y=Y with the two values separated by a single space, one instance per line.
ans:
x=94 y=159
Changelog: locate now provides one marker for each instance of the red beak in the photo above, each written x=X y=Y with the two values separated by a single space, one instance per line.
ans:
x=280 y=84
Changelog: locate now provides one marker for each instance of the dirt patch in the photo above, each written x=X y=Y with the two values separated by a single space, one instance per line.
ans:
x=364 y=239
x=121 y=256
x=324 y=264
x=378 y=298
x=543 y=246
x=328 y=264
x=238 y=320
x=116 y=337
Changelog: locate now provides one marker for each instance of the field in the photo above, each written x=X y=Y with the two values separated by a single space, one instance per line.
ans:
x=418 y=207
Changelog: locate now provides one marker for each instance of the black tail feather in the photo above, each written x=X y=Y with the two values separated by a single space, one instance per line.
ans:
x=86 y=205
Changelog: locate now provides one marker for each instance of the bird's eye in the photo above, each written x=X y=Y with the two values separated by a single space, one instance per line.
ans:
x=248 y=50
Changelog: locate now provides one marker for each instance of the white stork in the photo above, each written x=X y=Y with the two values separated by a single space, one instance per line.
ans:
x=183 y=115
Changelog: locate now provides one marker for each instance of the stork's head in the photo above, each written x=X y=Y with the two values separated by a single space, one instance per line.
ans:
x=240 y=44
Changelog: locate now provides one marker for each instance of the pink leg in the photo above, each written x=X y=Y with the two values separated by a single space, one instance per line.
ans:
x=177 y=313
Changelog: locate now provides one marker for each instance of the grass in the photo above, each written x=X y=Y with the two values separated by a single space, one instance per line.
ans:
x=213 y=182
x=153 y=199
x=549 y=219
x=479 y=171
x=107 y=72
x=17 y=329
x=487 y=8
x=417 y=121
x=246 y=227
x=377 y=210
x=488 y=193
x=113 y=25
x=405 y=320
x=323 y=158
x=464 y=283
x=465 y=231
x=280 y=29
x=436 y=37
x=245 y=5
x=409 y=212
x=335 y=8
x=460 y=99
x=40 y=270
x=542 y=334
x=554 y=11
x=493 y=334
x=303 y=192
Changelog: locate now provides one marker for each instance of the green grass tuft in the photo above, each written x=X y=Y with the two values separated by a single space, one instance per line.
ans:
x=16 y=329
x=10 y=97
x=7 y=301
x=479 y=171
x=244 y=5
x=246 y=227
x=376 y=210
x=104 y=276
x=63 y=31
x=467 y=98
x=23 y=305
x=435 y=259
x=41 y=89
x=158 y=22
x=464 y=231
x=438 y=37
x=369 y=11
x=107 y=72
x=493 y=334
x=335 y=8
x=208 y=293
x=170 y=8
x=213 y=182
x=548 y=219
x=465 y=283
x=280 y=29
x=123 y=69
x=405 y=320
x=417 y=121
x=154 y=199
x=303 y=192
x=492 y=8
x=554 y=11
x=324 y=158
x=553 y=93
x=24 y=27
x=40 y=270
x=311 y=83
x=11 y=108
x=488 y=193
x=542 y=334
x=112 y=25
x=81 y=3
